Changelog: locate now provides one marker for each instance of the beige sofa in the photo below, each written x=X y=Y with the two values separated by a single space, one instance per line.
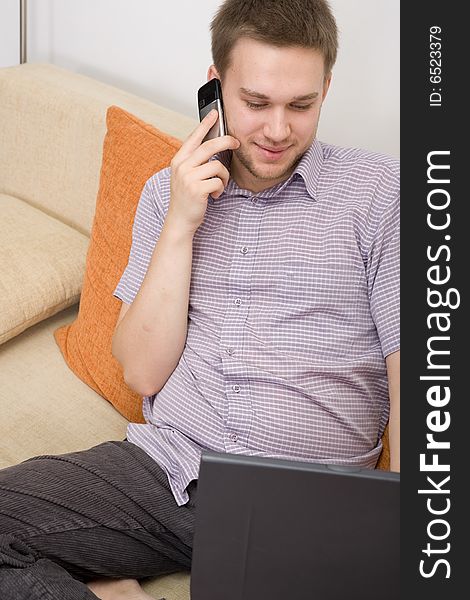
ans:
x=52 y=125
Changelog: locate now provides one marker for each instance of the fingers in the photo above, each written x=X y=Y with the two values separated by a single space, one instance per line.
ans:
x=207 y=150
x=209 y=178
x=213 y=168
x=194 y=140
x=197 y=152
x=214 y=187
x=194 y=176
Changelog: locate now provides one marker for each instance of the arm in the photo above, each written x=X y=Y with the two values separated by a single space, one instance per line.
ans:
x=150 y=334
x=393 y=372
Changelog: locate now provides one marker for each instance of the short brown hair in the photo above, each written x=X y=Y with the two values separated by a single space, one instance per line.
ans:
x=305 y=23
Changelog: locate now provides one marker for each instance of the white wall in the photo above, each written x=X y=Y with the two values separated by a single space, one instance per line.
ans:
x=9 y=32
x=160 y=49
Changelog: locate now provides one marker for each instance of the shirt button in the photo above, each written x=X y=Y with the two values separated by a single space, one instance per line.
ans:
x=238 y=301
x=233 y=437
x=244 y=249
x=236 y=388
x=229 y=351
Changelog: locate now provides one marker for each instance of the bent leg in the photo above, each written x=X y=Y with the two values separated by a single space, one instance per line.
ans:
x=104 y=512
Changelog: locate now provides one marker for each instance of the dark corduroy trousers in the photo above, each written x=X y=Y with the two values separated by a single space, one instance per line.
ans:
x=103 y=512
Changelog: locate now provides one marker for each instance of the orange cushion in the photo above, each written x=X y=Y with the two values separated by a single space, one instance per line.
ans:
x=133 y=151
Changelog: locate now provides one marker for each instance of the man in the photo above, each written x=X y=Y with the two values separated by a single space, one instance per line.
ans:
x=259 y=316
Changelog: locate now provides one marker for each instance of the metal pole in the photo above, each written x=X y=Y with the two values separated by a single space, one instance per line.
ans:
x=23 y=30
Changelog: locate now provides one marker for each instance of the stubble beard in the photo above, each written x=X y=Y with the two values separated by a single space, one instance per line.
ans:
x=274 y=175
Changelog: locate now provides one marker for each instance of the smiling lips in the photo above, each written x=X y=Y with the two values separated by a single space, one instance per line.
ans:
x=271 y=153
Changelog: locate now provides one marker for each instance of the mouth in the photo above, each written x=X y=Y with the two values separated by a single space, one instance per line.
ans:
x=270 y=153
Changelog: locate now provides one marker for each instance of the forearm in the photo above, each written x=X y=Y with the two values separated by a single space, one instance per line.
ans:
x=150 y=339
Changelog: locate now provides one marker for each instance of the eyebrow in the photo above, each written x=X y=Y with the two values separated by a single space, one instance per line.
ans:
x=254 y=94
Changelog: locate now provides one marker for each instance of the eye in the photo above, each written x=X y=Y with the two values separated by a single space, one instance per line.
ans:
x=255 y=105
x=301 y=106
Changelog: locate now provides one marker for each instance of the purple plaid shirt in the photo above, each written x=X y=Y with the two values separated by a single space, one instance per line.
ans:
x=294 y=305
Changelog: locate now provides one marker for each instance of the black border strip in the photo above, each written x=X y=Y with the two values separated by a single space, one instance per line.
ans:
x=433 y=124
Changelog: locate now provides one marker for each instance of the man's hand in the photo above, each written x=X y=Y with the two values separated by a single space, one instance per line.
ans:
x=194 y=177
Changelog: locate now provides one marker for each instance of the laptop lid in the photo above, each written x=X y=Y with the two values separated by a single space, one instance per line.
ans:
x=283 y=530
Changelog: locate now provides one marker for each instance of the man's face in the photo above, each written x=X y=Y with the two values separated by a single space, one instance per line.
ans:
x=272 y=100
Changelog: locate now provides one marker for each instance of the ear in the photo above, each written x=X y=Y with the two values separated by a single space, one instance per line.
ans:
x=326 y=86
x=212 y=73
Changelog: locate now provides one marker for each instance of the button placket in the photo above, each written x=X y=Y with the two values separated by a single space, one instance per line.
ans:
x=237 y=397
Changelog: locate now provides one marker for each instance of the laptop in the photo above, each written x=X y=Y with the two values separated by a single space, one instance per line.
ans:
x=286 y=530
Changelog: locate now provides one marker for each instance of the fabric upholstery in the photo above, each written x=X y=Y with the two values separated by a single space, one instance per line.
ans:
x=42 y=263
x=169 y=587
x=44 y=407
x=132 y=152
x=52 y=124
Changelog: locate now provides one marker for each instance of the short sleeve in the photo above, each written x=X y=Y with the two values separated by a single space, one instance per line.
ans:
x=383 y=275
x=148 y=223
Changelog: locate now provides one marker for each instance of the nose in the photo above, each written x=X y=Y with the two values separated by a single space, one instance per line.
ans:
x=277 y=127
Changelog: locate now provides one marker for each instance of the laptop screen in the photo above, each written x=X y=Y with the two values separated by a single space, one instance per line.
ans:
x=284 y=530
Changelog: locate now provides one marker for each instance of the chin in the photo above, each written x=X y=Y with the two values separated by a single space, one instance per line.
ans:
x=268 y=171
x=273 y=171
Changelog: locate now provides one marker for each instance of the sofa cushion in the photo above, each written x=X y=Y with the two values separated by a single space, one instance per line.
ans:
x=52 y=124
x=168 y=587
x=133 y=151
x=42 y=262
x=44 y=407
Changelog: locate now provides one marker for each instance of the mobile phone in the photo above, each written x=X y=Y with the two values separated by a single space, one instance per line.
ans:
x=209 y=96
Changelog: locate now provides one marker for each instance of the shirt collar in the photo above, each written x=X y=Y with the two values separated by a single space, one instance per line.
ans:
x=309 y=168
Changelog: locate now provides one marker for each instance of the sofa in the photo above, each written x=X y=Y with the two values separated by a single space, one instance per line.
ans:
x=53 y=128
